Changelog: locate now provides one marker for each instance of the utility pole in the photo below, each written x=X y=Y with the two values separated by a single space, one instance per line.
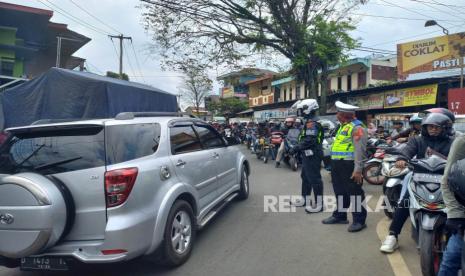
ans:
x=120 y=37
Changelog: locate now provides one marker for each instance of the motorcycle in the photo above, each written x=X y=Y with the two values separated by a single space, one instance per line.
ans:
x=427 y=211
x=292 y=139
x=393 y=177
x=372 y=169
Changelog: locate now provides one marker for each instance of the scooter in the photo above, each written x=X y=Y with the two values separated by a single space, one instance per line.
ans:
x=427 y=211
x=393 y=178
x=372 y=169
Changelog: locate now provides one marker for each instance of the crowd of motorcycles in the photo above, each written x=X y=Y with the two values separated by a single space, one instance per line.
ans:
x=427 y=209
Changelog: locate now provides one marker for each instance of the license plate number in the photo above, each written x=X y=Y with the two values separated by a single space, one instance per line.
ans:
x=43 y=263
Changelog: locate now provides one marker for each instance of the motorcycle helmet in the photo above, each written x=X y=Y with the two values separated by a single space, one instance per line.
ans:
x=436 y=119
x=415 y=119
x=298 y=123
x=306 y=108
x=444 y=111
x=456 y=180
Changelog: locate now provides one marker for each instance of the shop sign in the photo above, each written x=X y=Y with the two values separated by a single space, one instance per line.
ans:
x=456 y=100
x=439 y=56
x=413 y=96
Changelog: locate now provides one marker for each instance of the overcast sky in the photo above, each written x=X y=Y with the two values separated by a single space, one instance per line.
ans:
x=376 y=29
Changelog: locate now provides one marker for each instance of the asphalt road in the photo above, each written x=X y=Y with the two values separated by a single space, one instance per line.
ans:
x=245 y=240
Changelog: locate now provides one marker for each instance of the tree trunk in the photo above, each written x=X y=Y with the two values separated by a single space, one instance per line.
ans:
x=324 y=89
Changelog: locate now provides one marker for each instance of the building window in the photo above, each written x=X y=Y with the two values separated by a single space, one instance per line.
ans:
x=297 y=92
x=290 y=93
x=285 y=96
x=7 y=67
x=349 y=82
x=339 y=83
x=265 y=87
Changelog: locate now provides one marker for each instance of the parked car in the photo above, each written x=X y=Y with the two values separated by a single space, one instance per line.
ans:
x=110 y=190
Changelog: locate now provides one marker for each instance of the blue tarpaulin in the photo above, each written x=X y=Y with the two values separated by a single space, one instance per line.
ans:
x=67 y=94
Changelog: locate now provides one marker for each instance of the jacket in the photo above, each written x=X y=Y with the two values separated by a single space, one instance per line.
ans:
x=457 y=152
x=418 y=146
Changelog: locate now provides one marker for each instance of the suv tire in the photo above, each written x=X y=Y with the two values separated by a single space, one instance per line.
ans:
x=179 y=236
x=244 y=191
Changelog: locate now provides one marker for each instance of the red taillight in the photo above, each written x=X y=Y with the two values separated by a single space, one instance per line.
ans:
x=118 y=185
x=113 y=251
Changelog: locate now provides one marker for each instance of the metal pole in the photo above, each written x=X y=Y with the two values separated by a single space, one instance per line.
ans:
x=57 y=64
x=461 y=72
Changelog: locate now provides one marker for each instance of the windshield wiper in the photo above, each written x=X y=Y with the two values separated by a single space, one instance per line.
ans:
x=32 y=154
x=53 y=164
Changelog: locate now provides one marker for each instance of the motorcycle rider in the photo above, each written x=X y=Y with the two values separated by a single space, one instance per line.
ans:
x=310 y=147
x=398 y=128
x=453 y=193
x=288 y=124
x=414 y=130
x=435 y=136
x=348 y=153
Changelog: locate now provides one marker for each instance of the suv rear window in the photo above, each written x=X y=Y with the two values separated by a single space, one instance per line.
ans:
x=128 y=142
x=52 y=151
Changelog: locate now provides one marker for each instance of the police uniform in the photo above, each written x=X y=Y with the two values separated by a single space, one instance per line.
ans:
x=347 y=154
x=311 y=150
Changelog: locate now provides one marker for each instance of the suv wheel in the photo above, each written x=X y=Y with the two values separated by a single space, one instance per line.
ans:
x=179 y=234
x=244 y=191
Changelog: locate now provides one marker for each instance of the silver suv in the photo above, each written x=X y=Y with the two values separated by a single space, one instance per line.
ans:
x=111 y=190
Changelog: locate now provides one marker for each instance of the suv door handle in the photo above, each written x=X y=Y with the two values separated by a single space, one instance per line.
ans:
x=216 y=155
x=180 y=163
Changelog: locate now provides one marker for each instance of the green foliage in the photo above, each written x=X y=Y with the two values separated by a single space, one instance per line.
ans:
x=228 y=107
x=117 y=76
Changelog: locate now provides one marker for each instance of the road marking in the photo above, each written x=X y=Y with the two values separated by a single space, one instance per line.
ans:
x=399 y=267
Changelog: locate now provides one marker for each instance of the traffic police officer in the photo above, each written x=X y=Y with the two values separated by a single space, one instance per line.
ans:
x=347 y=154
x=310 y=147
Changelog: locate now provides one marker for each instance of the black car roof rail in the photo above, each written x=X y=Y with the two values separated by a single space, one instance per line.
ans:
x=132 y=115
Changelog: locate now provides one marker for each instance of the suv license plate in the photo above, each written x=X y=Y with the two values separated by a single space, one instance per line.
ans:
x=44 y=263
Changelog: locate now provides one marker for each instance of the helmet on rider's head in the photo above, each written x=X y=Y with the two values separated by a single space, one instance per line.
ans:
x=298 y=122
x=440 y=110
x=456 y=180
x=306 y=108
x=447 y=112
x=415 y=119
x=436 y=119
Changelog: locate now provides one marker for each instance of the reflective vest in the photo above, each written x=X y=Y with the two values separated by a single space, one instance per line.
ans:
x=343 y=147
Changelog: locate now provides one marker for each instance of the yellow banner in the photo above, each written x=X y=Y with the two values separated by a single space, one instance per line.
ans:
x=422 y=95
x=437 y=55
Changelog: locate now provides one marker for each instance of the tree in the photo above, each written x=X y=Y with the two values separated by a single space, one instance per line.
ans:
x=117 y=76
x=196 y=85
x=228 y=107
x=312 y=34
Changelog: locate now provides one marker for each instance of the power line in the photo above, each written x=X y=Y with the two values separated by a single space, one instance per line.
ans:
x=390 y=5
x=61 y=11
x=404 y=8
x=128 y=59
x=96 y=18
x=413 y=36
x=425 y=4
x=440 y=4
x=137 y=61
x=403 y=18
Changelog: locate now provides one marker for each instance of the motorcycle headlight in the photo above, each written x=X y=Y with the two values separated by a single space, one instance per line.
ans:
x=434 y=206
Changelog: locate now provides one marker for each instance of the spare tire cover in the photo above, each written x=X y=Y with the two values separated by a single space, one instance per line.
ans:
x=32 y=214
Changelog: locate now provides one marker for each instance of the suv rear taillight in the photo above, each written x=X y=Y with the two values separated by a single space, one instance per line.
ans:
x=118 y=185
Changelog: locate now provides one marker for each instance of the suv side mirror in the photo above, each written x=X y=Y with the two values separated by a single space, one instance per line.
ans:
x=231 y=140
